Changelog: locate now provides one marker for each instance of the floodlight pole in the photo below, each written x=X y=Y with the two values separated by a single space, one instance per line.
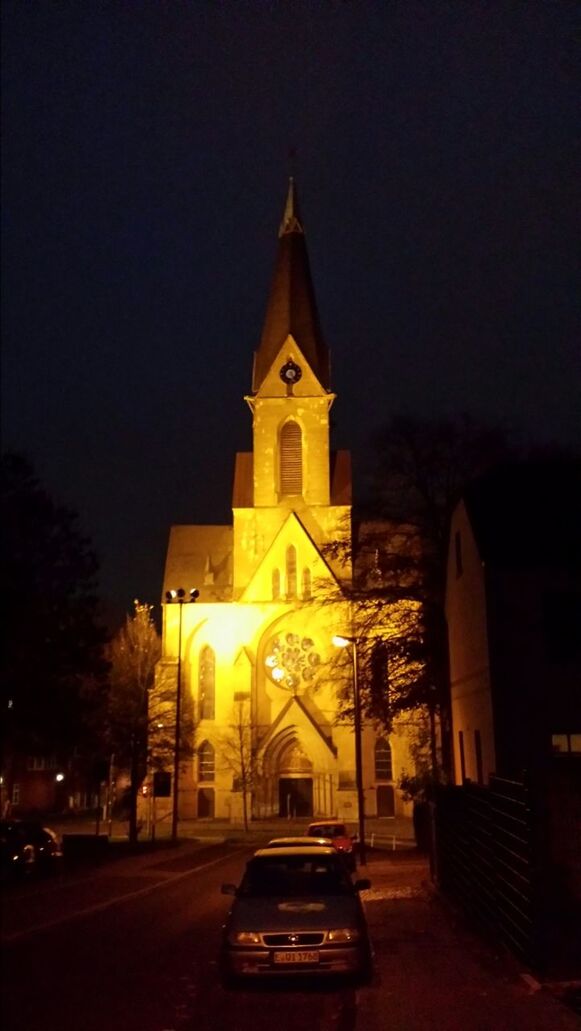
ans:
x=178 y=597
x=341 y=642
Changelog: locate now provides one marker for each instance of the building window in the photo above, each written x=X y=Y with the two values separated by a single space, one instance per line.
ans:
x=41 y=762
x=206 y=761
x=276 y=583
x=207 y=683
x=383 y=763
x=458 y=553
x=380 y=671
x=291 y=572
x=478 y=754
x=306 y=583
x=462 y=756
x=291 y=459
x=565 y=743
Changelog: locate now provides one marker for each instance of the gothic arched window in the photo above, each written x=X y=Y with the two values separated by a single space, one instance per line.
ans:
x=291 y=571
x=206 y=761
x=383 y=764
x=291 y=458
x=306 y=582
x=276 y=583
x=207 y=683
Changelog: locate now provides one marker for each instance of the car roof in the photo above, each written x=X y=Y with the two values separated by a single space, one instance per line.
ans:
x=304 y=839
x=297 y=850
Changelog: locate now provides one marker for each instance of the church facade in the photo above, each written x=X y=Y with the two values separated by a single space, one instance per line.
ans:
x=257 y=663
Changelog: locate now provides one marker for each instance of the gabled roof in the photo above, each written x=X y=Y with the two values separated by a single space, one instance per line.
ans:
x=291 y=307
x=200 y=556
x=292 y=519
x=314 y=717
x=527 y=514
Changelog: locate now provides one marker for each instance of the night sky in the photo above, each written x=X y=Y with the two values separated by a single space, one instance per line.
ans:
x=144 y=175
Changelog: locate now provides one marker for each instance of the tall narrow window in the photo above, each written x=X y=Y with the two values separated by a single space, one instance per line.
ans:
x=383 y=764
x=478 y=752
x=380 y=672
x=207 y=683
x=462 y=756
x=276 y=583
x=291 y=572
x=291 y=459
x=206 y=761
x=306 y=582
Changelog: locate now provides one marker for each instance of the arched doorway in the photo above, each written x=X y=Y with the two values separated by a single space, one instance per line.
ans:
x=295 y=782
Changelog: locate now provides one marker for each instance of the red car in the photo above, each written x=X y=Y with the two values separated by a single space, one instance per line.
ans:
x=337 y=832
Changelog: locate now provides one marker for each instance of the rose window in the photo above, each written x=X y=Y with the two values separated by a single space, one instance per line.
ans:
x=291 y=661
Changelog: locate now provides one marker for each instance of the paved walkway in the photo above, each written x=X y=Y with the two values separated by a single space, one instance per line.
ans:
x=432 y=972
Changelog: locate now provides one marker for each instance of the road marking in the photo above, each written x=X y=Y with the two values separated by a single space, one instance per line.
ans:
x=109 y=903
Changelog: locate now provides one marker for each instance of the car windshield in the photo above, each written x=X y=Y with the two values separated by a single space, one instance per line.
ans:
x=328 y=830
x=295 y=876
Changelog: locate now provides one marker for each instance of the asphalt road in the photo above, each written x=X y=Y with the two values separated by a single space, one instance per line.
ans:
x=132 y=947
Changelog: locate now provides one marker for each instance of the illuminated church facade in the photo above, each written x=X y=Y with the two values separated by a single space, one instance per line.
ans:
x=256 y=651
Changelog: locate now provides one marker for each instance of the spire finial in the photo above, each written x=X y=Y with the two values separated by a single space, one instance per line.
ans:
x=291 y=219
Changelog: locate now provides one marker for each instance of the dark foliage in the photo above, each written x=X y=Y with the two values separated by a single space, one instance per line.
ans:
x=52 y=658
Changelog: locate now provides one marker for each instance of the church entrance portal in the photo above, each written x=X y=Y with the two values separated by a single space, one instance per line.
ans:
x=295 y=796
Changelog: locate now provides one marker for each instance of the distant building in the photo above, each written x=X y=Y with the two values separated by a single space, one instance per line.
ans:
x=513 y=606
x=256 y=646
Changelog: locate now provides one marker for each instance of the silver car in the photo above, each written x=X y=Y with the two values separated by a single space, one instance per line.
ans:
x=296 y=911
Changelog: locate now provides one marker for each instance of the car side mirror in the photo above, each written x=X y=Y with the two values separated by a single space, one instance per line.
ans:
x=228 y=889
x=363 y=884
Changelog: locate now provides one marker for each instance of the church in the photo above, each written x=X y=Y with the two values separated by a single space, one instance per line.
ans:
x=254 y=652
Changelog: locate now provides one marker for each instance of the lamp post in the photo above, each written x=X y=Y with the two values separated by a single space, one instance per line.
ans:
x=341 y=642
x=178 y=597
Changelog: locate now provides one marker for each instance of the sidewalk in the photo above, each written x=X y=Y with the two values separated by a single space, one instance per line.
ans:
x=432 y=972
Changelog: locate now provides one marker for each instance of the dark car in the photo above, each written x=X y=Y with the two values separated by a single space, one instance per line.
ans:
x=27 y=847
x=296 y=911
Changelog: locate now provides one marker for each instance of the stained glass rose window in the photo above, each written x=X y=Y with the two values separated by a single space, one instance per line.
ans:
x=291 y=661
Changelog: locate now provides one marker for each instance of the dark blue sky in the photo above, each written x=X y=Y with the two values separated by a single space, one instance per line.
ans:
x=144 y=173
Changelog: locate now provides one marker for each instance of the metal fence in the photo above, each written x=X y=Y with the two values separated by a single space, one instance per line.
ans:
x=487 y=859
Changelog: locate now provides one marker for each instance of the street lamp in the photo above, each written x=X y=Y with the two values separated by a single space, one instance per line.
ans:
x=178 y=597
x=341 y=642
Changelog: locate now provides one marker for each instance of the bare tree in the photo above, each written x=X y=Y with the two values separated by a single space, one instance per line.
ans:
x=238 y=750
x=133 y=655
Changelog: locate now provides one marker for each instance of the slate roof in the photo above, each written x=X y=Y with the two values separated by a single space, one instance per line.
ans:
x=200 y=556
x=291 y=306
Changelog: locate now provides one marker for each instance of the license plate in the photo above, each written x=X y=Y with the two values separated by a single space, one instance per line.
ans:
x=298 y=956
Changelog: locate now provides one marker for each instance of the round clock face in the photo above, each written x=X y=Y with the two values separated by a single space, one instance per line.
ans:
x=290 y=372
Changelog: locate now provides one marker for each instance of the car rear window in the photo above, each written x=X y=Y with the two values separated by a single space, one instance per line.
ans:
x=328 y=830
x=295 y=876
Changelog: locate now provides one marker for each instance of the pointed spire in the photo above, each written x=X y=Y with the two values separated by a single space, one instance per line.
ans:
x=291 y=220
x=291 y=307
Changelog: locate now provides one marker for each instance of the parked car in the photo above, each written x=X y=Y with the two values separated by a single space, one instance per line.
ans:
x=337 y=832
x=297 y=842
x=296 y=911
x=28 y=847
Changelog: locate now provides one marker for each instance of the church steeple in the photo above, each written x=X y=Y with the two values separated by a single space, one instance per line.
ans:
x=291 y=307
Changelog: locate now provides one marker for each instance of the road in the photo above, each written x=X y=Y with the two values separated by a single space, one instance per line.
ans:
x=132 y=947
